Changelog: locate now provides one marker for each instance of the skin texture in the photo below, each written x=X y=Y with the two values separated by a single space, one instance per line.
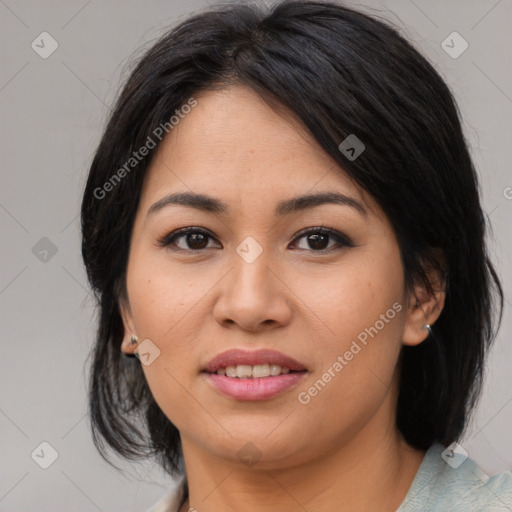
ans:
x=342 y=450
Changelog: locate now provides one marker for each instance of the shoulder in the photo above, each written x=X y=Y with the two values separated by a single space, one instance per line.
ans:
x=461 y=486
x=171 y=501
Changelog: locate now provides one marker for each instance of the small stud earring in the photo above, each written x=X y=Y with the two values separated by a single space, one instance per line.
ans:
x=427 y=327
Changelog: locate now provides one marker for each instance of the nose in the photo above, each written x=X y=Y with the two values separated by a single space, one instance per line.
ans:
x=253 y=296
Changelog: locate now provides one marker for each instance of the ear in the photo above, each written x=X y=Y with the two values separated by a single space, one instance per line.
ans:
x=127 y=346
x=425 y=306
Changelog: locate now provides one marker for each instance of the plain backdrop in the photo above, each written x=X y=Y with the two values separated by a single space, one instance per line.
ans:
x=52 y=115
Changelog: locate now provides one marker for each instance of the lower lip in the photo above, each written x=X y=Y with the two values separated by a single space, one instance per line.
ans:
x=254 y=389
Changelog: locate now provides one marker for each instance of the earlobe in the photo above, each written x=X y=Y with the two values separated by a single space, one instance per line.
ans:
x=128 y=348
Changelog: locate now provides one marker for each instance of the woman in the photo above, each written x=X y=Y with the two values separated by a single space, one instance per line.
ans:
x=282 y=223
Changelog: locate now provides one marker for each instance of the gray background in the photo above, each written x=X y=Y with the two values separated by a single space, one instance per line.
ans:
x=53 y=111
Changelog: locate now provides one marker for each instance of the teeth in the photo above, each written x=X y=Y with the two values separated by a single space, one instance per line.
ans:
x=261 y=370
x=243 y=371
x=246 y=371
x=231 y=371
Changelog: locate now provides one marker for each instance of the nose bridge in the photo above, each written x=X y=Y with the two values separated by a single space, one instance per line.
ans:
x=252 y=274
x=252 y=295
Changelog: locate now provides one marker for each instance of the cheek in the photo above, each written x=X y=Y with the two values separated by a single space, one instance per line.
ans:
x=164 y=296
x=352 y=296
x=164 y=304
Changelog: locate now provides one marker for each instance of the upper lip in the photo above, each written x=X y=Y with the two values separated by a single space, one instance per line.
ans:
x=235 y=357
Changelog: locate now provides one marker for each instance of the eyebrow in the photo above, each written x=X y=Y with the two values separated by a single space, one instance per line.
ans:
x=213 y=205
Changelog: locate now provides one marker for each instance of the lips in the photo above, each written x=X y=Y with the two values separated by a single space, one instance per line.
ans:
x=237 y=357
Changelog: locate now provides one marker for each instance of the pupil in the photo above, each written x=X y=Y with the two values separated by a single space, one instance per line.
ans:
x=196 y=238
x=315 y=241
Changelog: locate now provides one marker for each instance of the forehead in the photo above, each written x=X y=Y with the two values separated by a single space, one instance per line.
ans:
x=233 y=144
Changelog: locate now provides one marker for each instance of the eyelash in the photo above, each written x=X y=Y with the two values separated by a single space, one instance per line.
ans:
x=343 y=241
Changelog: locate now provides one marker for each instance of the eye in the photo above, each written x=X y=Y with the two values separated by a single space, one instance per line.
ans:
x=194 y=239
x=318 y=239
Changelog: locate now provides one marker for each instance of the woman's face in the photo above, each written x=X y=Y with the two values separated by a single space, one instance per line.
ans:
x=255 y=279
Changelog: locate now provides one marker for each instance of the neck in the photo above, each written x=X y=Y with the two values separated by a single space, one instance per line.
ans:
x=374 y=467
